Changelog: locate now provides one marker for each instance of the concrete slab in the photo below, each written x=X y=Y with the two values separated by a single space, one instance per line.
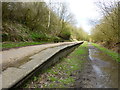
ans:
x=13 y=75
x=12 y=56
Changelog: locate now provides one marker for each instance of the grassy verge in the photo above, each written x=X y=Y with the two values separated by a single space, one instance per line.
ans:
x=9 y=45
x=62 y=74
x=115 y=55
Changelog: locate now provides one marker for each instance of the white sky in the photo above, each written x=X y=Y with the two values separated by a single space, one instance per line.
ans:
x=84 y=11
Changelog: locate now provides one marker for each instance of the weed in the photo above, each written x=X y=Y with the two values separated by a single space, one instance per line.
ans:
x=35 y=78
x=66 y=80
x=53 y=79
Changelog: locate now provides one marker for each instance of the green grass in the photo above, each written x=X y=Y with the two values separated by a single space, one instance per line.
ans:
x=60 y=75
x=52 y=79
x=67 y=80
x=114 y=55
x=9 y=45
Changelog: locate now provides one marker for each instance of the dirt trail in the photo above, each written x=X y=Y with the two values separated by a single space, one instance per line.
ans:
x=96 y=70
x=100 y=71
x=11 y=56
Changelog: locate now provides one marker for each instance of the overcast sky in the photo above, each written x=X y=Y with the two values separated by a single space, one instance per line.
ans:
x=84 y=11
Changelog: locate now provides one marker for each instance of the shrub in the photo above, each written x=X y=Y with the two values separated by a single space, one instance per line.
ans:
x=65 y=35
x=39 y=37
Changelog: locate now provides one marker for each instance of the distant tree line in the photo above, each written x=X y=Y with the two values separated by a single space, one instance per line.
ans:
x=38 y=21
x=108 y=30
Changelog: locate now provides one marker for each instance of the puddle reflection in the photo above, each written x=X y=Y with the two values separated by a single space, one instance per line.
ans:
x=105 y=67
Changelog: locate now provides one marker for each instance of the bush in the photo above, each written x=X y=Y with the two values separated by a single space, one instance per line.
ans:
x=65 y=35
x=39 y=37
x=14 y=32
x=54 y=39
x=57 y=39
x=5 y=37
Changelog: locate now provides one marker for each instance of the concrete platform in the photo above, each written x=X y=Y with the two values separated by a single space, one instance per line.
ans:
x=13 y=75
x=15 y=56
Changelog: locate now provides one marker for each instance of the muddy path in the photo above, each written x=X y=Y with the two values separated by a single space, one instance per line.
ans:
x=88 y=67
x=100 y=71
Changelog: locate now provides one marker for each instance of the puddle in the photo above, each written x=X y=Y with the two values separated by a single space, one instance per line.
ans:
x=97 y=70
x=105 y=67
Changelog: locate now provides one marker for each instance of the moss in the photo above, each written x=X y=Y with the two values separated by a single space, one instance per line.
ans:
x=9 y=45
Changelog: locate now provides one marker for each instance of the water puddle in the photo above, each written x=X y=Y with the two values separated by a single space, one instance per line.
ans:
x=97 y=70
x=105 y=67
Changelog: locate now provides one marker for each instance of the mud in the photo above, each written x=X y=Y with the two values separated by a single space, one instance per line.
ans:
x=100 y=71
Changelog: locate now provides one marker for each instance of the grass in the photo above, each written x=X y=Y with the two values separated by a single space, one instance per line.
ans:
x=52 y=79
x=66 y=81
x=9 y=45
x=114 y=55
x=61 y=74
